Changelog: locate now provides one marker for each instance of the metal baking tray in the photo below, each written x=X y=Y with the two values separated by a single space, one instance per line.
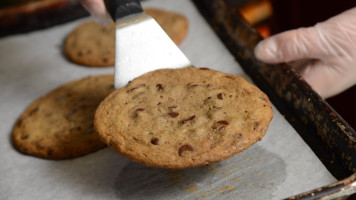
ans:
x=321 y=127
x=328 y=135
x=23 y=16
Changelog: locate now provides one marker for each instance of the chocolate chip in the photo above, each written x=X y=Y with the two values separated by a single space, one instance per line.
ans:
x=23 y=149
x=223 y=122
x=204 y=68
x=221 y=128
x=217 y=108
x=80 y=54
x=154 y=141
x=50 y=152
x=138 y=86
x=220 y=96
x=70 y=113
x=171 y=108
x=220 y=125
x=61 y=98
x=90 y=131
x=184 y=148
x=24 y=136
x=39 y=145
x=139 y=109
x=135 y=113
x=229 y=77
x=246 y=91
x=33 y=111
x=137 y=95
x=263 y=99
x=255 y=124
x=191 y=85
x=173 y=114
x=19 y=122
x=188 y=119
x=160 y=87
x=105 y=60
x=261 y=130
x=78 y=128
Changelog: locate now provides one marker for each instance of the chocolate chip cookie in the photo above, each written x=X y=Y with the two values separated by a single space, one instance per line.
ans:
x=59 y=125
x=93 y=45
x=178 y=118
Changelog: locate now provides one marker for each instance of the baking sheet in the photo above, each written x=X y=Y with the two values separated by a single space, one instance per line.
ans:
x=32 y=64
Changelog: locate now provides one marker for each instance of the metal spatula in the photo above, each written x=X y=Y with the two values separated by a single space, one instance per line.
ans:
x=141 y=45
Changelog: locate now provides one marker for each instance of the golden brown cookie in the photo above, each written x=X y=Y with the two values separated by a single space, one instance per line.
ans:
x=177 y=118
x=91 y=44
x=59 y=125
x=174 y=24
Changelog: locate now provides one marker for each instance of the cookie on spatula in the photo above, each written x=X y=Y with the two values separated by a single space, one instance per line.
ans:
x=178 y=118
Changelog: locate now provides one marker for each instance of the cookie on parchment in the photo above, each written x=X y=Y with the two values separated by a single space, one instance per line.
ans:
x=91 y=44
x=174 y=24
x=178 y=118
x=59 y=125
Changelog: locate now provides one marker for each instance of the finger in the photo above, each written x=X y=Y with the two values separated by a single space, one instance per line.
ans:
x=98 y=10
x=299 y=64
x=325 y=80
x=302 y=43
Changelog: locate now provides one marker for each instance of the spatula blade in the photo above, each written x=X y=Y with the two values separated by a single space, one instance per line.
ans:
x=143 y=46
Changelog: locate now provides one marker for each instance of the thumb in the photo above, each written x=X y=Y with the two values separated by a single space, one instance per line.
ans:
x=98 y=10
x=289 y=46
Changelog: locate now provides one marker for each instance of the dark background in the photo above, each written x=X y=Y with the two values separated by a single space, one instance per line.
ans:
x=291 y=14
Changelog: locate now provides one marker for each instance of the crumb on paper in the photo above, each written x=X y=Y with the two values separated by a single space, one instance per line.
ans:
x=235 y=179
x=191 y=189
x=223 y=189
x=176 y=176
x=211 y=167
x=194 y=189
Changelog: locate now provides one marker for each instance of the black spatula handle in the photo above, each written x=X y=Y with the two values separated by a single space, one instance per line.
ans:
x=122 y=8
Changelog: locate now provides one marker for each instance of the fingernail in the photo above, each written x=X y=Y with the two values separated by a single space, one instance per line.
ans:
x=103 y=20
x=258 y=50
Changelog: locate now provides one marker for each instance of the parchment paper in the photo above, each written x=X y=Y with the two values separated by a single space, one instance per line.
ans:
x=32 y=64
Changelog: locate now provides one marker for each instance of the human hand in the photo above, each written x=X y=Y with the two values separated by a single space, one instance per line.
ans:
x=98 y=10
x=327 y=52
